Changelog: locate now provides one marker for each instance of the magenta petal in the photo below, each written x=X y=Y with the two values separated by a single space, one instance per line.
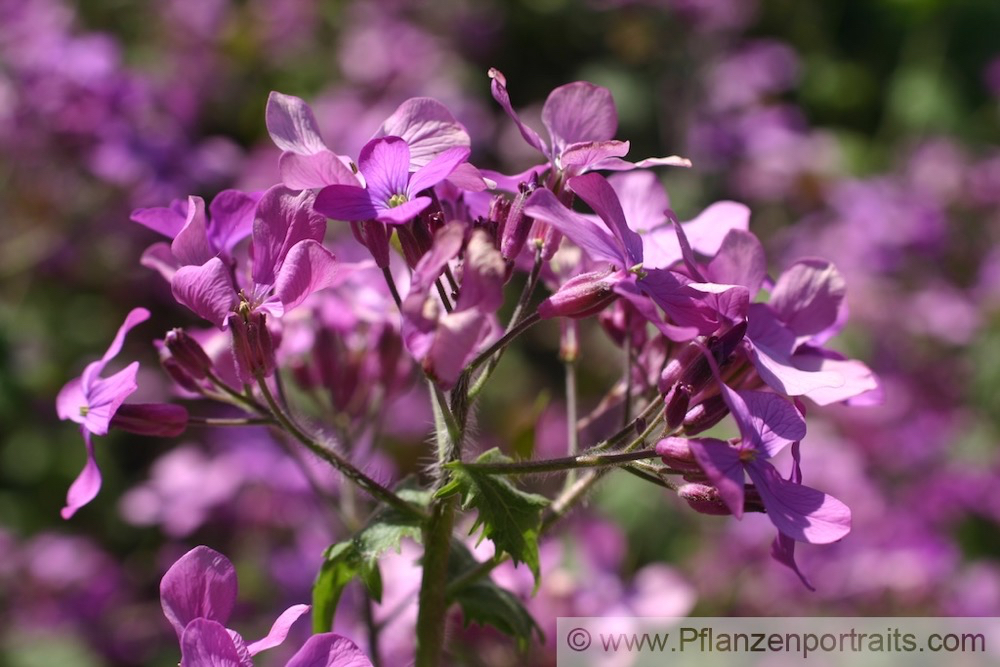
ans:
x=231 y=218
x=597 y=243
x=740 y=261
x=284 y=217
x=707 y=231
x=686 y=306
x=467 y=177
x=329 y=650
x=403 y=213
x=771 y=347
x=579 y=112
x=308 y=268
x=105 y=397
x=279 y=630
x=317 y=170
x=644 y=305
x=722 y=465
x=498 y=87
x=600 y=196
x=437 y=170
x=800 y=512
x=427 y=127
x=483 y=275
x=808 y=295
x=346 y=202
x=581 y=157
x=165 y=220
x=86 y=485
x=643 y=199
x=161 y=259
x=201 y=584
x=207 y=290
x=385 y=164
x=861 y=386
x=772 y=422
x=191 y=245
x=69 y=401
x=206 y=643
x=292 y=125
x=457 y=339
x=783 y=551
x=135 y=317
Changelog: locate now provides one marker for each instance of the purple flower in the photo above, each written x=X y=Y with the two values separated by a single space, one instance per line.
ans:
x=93 y=401
x=198 y=594
x=392 y=192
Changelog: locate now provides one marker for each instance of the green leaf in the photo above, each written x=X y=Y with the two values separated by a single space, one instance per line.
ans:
x=358 y=557
x=511 y=518
x=485 y=603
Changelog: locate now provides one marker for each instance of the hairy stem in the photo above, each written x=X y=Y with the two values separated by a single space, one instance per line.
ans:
x=562 y=463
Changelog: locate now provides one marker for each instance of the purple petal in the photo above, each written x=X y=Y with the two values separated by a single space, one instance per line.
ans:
x=284 y=217
x=279 y=631
x=467 y=177
x=207 y=290
x=160 y=258
x=771 y=421
x=498 y=87
x=614 y=164
x=705 y=233
x=317 y=170
x=644 y=305
x=346 y=202
x=329 y=650
x=859 y=380
x=164 y=220
x=69 y=401
x=457 y=339
x=783 y=551
x=686 y=306
x=771 y=348
x=191 y=245
x=427 y=127
x=600 y=196
x=579 y=112
x=135 y=317
x=582 y=157
x=729 y=302
x=511 y=183
x=482 y=276
x=399 y=215
x=206 y=643
x=722 y=465
x=687 y=253
x=308 y=268
x=201 y=584
x=86 y=485
x=385 y=164
x=105 y=397
x=800 y=512
x=292 y=125
x=437 y=170
x=643 y=199
x=597 y=243
x=808 y=295
x=231 y=218
x=740 y=261
x=447 y=243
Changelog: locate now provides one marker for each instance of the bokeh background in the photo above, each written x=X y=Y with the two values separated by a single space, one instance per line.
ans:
x=864 y=131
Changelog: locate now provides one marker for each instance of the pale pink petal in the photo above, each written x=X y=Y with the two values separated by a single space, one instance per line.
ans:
x=427 y=127
x=616 y=164
x=86 y=485
x=200 y=585
x=315 y=170
x=329 y=650
x=205 y=643
x=279 y=630
x=498 y=87
x=579 y=112
x=292 y=125
x=800 y=512
x=207 y=290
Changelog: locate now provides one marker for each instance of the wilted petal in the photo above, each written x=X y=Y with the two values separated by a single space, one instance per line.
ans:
x=600 y=196
x=437 y=170
x=482 y=276
x=205 y=643
x=579 y=112
x=200 y=585
x=808 y=295
x=86 y=485
x=498 y=87
x=722 y=465
x=427 y=127
x=317 y=170
x=135 y=317
x=191 y=245
x=207 y=290
x=800 y=512
x=458 y=337
x=279 y=631
x=292 y=125
x=740 y=261
x=599 y=244
x=284 y=217
x=614 y=164
x=329 y=650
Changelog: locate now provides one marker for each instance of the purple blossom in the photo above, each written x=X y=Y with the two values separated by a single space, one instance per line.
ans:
x=392 y=194
x=198 y=595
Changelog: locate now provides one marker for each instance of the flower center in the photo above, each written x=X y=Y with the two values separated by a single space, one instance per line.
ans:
x=84 y=410
x=397 y=200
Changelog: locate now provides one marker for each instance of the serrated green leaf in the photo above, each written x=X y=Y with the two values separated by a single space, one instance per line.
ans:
x=485 y=603
x=509 y=517
x=358 y=557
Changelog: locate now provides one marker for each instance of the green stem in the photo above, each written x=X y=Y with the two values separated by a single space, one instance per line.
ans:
x=229 y=421
x=562 y=463
x=375 y=489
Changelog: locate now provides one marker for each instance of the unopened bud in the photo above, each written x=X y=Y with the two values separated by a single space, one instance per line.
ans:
x=706 y=499
x=580 y=296
x=253 y=347
x=517 y=225
x=179 y=375
x=373 y=235
x=188 y=353
x=705 y=415
x=676 y=453
x=678 y=399
x=156 y=419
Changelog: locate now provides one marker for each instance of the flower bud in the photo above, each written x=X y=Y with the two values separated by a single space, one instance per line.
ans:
x=156 y=419
x=706 y=499
x=179 y=375
x=678 y=399
x=189 y=355
x=705 y=415
x=517 y=225
x=677 y=454
x=373 y=235
x=253 y=347
x=580 y=296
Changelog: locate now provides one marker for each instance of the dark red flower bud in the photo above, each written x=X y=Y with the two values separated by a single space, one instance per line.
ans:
x=517 y=225
x=705 y=415
x=583 y=295
x=253 y=347
x=677 y=454
x=156 y=419
x=179 y=375
x=188 y=353
x=678 y=399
